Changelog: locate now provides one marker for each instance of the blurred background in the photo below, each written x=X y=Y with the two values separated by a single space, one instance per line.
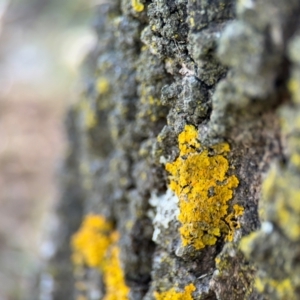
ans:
x=42 y=43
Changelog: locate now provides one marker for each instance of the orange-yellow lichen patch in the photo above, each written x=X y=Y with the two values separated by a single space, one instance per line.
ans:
x=116 y=289
x=173 y=295
x=96 y=245
x=231 y=220
x=137 y=5
x=199 y=179
x=91 y=242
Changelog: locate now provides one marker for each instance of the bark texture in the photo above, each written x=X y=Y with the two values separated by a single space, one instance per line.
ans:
x=182 y=179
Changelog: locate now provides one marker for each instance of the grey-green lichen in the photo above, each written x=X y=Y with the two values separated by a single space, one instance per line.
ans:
x=275 y=247
x=234 y=273
x=254 y=48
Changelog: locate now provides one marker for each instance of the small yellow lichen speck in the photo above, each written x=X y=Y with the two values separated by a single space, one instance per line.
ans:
x=90 y=117
x=294 y=88
x=95 y=245
x=200 y=181
x=173 y=295
x=137 y=5
x=192 y=22
x=102 y=85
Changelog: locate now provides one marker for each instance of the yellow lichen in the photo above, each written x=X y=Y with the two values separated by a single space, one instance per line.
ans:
x=173 y=295
x=200 y=181
x=294 y=88
x=247 y=242
x=137 y=5
x=231 y=220
x=282 y=288
x=192 y=22
x=89 y=115
x=95 y=245
x=281 y=194
x=116 y=289
x=295 y=159
x=91 y=242
x=102 y=85
x=151 y=108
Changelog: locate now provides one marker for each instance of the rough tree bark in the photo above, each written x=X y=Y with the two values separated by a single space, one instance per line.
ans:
x=182 y=179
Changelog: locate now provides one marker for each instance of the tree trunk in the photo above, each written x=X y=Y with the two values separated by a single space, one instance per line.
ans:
x=182 y=179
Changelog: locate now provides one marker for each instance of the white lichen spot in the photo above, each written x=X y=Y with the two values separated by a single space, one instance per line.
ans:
x=167 y=210
x=267 y=227
x=249 y=4
x=163 y=160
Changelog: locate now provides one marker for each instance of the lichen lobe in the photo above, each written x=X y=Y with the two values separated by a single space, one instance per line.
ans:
x=95 y=245
x=172 y=294
x=199 y=179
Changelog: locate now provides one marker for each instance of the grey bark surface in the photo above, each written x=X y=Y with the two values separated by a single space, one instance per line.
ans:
x=232 y=71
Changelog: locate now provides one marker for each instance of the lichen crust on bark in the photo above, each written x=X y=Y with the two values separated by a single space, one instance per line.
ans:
x=184 y=155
